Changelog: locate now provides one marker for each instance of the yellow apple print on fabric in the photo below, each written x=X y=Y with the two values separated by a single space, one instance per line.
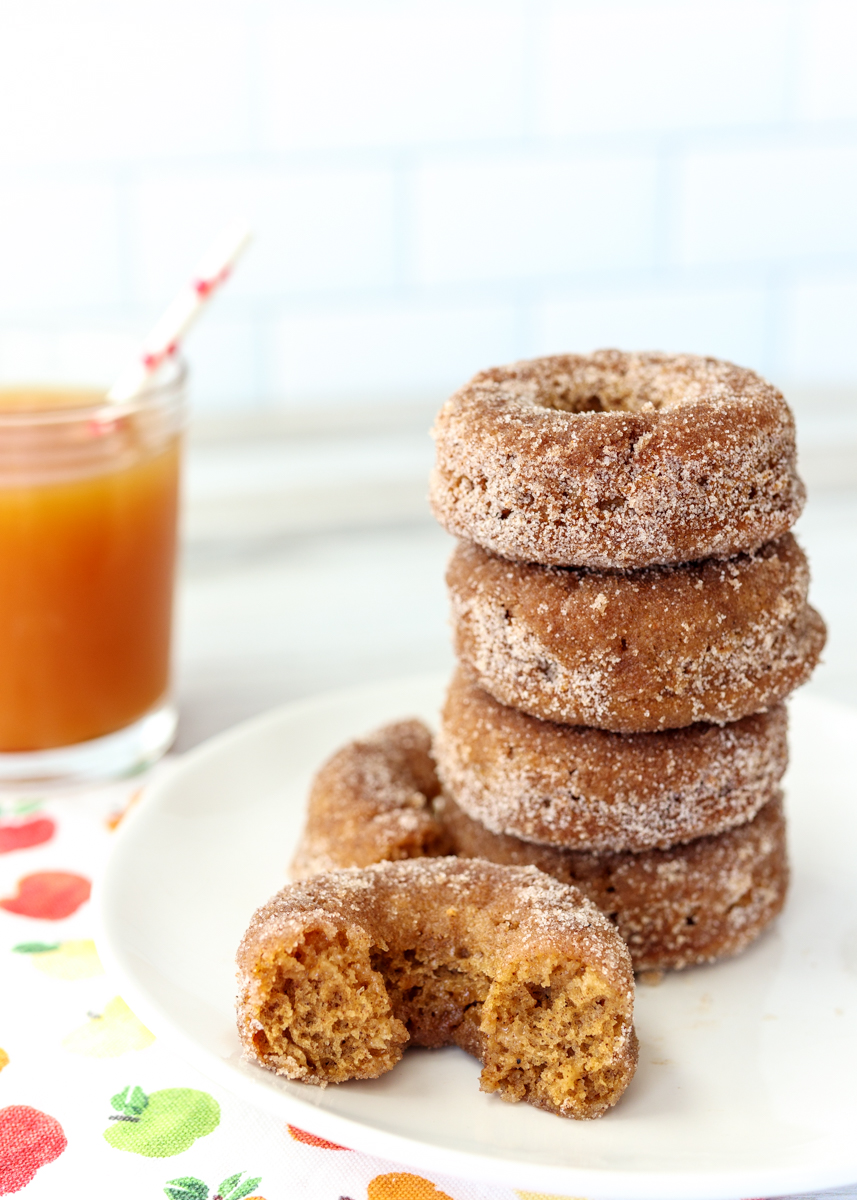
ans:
x=401 y=1186
x=162 y=1124
x=64 y=960
x=110 y=1033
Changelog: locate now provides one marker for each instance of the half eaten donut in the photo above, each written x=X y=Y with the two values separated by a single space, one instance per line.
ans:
x=339 y=973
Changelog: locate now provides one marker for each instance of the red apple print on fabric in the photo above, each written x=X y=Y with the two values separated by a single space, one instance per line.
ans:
x=20 y=835
x=301 y=1135
x=28 y=1140
x=48 y=895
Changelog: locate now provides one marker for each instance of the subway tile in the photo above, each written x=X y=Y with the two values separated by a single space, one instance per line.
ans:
x=726 y=322
x=768 y=203
x=612 y=66
x=408 y=352
x=389 y=72
x=59 y=244
x=68 y=351
x=819 y=323
x=96 y=354
x=314 y=230
x=521 y=216
x=28 y=355
x=827 y=80
x=119 y=82
x=222 y=354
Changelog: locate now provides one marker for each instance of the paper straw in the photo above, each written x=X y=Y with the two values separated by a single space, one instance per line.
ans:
x=162 y=342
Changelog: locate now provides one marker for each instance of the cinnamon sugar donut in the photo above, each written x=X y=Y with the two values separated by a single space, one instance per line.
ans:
x=637 y=651
x=585 y=789
x=693 y=903
x=339 y=973
x=370 y=803
x=616 y=460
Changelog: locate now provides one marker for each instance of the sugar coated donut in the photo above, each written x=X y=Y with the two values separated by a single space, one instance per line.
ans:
x=705 y=900
x=692 y=903
x=339 y=973
x=585 y=789
x=637 y=651
x=616 y=460
x=371 y=799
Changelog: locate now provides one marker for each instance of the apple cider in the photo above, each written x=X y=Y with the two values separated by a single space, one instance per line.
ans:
x=88 y=511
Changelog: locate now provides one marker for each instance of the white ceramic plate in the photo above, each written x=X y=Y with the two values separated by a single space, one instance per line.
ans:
x=747 y=1083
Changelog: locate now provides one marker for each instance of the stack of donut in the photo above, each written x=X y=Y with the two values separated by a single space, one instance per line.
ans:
x=629 y=613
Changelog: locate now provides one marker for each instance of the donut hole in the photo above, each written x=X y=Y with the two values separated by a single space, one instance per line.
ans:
x=326 y=1010
x=601 y=392
x=564 y=394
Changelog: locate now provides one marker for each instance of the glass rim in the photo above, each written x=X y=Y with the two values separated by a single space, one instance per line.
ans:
x=104 y=410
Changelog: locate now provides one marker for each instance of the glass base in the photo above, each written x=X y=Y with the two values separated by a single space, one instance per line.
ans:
x=115 y=756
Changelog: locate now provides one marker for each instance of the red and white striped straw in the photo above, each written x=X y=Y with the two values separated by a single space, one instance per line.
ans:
x=162 y=342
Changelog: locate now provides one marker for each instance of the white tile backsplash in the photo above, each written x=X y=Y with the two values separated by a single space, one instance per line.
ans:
x=773 y=204
x=59 y=243
x=820 y=319
x=434 y=187
x=386 y=353
x=728 y=322
x=227 y=363
x=328 y=229
x=127 y=81
x=618 y=66
x=532 y=215
x=392 y=73
x=827 y=81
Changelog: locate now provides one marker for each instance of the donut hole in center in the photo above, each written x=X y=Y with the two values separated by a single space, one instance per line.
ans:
x=598 y=392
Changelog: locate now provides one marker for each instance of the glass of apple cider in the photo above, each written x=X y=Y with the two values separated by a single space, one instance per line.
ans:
x=88 y=512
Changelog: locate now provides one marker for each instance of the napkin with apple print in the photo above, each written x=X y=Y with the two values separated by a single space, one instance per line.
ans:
x=89 y=1102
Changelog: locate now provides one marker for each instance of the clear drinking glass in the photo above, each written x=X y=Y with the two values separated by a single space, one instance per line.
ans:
x=88 y=516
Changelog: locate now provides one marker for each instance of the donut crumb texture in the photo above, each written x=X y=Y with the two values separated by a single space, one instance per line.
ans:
x=340 y=973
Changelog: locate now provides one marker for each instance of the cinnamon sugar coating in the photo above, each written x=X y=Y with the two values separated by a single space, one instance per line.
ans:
x=637 y=651
x=369 y=803
x=339 y=973
x=586 y=789
x=692 y=903
x=616 y=460
x=696 y=903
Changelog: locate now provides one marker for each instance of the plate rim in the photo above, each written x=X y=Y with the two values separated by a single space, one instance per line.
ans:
x=345 y=1130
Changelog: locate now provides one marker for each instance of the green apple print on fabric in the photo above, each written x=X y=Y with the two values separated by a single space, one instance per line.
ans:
x=232 y=1188
x=165 y=1123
